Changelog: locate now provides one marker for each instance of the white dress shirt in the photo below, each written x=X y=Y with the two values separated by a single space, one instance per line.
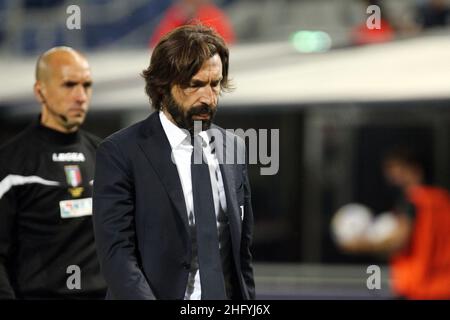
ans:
x=181 y=155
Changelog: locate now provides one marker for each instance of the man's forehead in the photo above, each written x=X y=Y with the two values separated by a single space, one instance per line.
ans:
x=53 y=62
x=210 y=68
x=72 y=71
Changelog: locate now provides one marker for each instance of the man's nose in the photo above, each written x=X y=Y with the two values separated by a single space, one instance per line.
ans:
x=80 y=94
x=208 y=96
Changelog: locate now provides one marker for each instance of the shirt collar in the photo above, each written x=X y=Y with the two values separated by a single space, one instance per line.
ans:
x=54 y=136
x=174 y=134
x=204 y=136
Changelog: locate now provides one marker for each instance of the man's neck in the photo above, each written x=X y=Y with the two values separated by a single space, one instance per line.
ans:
x=58 y=127
x=169 y=116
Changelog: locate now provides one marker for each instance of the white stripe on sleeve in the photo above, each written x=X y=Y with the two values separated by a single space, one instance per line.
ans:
x=15 y=180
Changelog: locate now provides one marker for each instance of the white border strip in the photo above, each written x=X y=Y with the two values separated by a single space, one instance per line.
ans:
x=15 y=180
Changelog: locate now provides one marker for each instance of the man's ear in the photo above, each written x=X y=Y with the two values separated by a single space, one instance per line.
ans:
x=37 y=89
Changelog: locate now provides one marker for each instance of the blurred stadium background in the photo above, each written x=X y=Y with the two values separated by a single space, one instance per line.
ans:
x=297 y=67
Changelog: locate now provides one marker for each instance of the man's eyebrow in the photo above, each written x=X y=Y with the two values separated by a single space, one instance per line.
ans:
x=201 y=82
x=198 y=82
x=65 y=81
x=69 y=82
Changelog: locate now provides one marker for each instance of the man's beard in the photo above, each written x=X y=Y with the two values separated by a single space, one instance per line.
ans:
x=184 y=119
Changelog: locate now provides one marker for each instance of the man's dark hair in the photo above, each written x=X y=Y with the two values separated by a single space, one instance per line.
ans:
x=178 y=56
x=406 y=155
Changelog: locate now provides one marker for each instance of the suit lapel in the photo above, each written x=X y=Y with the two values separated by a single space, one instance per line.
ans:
x=227 y=171
x=230 y=193
x=156 y=147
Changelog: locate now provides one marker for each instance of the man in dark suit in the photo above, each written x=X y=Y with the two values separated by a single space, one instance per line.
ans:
x=169 y=226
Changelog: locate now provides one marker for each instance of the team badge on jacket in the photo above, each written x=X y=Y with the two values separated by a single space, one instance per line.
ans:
x=73 y=177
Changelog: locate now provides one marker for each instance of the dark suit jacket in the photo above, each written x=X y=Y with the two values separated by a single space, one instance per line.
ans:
x=140 y=219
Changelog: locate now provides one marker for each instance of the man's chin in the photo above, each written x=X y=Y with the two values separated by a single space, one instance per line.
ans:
x=74 y=122
x=200 y=125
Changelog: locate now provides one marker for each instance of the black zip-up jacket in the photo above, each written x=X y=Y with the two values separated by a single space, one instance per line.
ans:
x=47 y=248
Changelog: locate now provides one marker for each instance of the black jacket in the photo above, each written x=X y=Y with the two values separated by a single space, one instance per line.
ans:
x=45 y=179
x=140 y=217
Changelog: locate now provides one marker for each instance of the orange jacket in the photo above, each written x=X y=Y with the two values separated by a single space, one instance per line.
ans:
x=422 y=269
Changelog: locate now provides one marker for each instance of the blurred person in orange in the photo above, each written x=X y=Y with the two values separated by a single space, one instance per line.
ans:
x=419 y=245
x=184 y=12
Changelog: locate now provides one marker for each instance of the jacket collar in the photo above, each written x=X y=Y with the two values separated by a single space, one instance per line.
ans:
x=157 y=149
